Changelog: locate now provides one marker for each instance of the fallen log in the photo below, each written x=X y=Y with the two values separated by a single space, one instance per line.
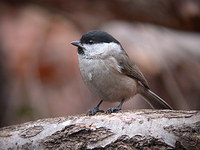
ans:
x=149 y=129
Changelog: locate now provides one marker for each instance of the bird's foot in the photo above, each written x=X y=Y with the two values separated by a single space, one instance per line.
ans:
x=112 y=110
x=94 y=111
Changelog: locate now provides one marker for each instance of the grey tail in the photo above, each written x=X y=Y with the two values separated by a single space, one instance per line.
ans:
x=154 y=100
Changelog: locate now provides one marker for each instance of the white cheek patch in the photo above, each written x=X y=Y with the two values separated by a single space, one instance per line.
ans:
x=101 y=48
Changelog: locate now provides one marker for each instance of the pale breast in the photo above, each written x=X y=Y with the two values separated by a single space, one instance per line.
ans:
x=105 y=80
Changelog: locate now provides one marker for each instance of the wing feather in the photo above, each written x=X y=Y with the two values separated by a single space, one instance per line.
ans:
x=129 y=68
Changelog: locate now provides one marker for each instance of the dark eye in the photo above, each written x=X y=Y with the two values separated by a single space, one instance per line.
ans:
x=91 y=41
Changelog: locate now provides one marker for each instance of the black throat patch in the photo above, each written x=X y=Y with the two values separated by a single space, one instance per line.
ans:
x=80 y=51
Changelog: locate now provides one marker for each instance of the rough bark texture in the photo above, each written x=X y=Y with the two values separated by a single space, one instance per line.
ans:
x=137 y=129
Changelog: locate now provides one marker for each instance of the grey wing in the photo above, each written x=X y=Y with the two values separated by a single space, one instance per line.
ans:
x=129 y=68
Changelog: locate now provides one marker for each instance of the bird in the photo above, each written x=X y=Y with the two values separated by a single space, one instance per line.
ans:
x=110 y=74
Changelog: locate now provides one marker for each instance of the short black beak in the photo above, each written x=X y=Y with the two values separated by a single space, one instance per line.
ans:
x=76 y=43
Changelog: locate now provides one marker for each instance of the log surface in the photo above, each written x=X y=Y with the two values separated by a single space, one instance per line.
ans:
x=149 y=129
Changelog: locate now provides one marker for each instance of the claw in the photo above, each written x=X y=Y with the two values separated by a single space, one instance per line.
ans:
x=95 y=110
x=114 y=109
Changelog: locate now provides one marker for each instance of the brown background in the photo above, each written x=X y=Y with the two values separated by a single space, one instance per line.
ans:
x=39 y=74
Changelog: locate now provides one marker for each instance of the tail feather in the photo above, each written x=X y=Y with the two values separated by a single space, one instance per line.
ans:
x=154 y=100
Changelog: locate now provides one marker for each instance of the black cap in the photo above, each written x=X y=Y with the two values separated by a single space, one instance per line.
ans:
x=97 y=36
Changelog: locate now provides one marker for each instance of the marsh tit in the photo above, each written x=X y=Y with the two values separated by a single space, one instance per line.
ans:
x=110 y=74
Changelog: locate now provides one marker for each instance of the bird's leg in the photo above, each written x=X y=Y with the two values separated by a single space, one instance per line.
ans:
x=95 y=110
x=114 y=109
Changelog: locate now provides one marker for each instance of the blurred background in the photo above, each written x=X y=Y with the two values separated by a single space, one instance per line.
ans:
x=39 y=75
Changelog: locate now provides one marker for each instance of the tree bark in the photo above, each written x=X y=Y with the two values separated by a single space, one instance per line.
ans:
x=137 y=129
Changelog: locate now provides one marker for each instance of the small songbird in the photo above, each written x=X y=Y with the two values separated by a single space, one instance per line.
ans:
x=110 y=74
